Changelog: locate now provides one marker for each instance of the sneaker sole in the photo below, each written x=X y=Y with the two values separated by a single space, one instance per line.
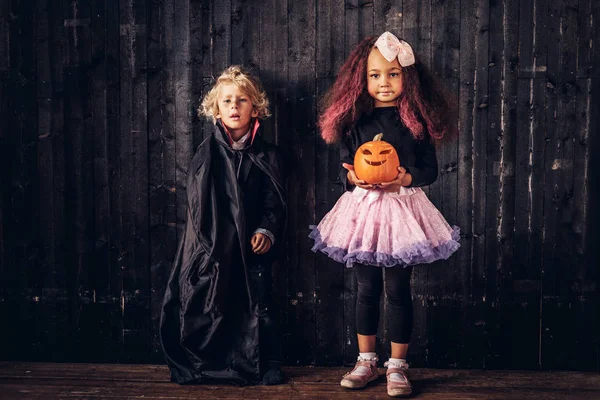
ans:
x=351 y=385
x=399 y=392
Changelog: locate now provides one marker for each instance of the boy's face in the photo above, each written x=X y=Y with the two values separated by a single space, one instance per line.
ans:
x=235 y=110
x=384 y=79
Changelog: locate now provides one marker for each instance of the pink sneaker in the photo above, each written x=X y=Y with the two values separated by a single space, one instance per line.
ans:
x=397 y=380
x=364 y=371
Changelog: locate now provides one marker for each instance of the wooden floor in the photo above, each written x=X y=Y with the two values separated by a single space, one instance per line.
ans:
x=115 y=381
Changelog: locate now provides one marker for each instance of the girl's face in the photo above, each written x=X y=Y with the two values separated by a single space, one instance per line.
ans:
x=235 y=110
x=384 y=79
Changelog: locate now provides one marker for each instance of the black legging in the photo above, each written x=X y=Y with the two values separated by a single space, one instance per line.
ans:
x=397 y=289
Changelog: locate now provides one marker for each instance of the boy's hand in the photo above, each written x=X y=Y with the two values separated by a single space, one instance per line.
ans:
x=403 y=179
x=260 y=243
x=353 y=179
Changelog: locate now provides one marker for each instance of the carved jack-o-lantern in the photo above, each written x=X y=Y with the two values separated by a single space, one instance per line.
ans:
x=376 y=161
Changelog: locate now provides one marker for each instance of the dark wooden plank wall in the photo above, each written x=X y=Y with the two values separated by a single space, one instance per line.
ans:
x=98 y=106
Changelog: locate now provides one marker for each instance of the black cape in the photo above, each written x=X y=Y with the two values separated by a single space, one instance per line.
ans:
x=209 y=320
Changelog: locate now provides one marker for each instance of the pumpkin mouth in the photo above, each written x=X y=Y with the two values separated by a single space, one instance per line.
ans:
x=375 y=163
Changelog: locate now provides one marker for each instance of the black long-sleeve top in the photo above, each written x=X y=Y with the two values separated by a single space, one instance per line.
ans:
x=417 y=156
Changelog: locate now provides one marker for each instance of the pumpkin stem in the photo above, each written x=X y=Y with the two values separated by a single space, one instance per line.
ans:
x=378 y=137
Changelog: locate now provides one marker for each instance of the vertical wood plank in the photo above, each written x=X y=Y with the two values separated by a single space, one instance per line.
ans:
x=30 y=220
x=7 y=174
x=506 y=172
x=418 y=35
x=205 y=9
x=4 y=155
x=84 y=140
x=584 y=290
x=127 y=37
x=135 y=298
x=199 y=55
x=529 y=182
x=465 y=171
x=105 y=309
x=274 y=35
x=45 y=162
x=158 y=193
x=410 y=24
x=479 y=298
x=366 y=17
x=10 y=270
x=588 y=34
x=245 y=35
x=441 y=276
x=5 y=38
x=54 y=300
x=529 y=194
x=330 y=27
x=301 y=193
x=595 y=59
x=592 y=232
x=87 y=313
x=161 y=151
x=389 y=16
x=351 y=21
x=558 y=317
x=220 y=34
x=533 y=52
x=61 y=320
x=493 y=213
x=115 y=186
x=140 y=286
x=329 y=287
x=183 y=106
x=23 y=279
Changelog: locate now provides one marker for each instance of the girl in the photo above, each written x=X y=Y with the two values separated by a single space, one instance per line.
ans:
x=382 y=88
x=218 y=320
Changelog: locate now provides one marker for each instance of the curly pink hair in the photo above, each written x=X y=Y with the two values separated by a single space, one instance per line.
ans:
x=422 y=104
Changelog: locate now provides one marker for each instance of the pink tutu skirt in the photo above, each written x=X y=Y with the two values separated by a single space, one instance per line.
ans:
x=380 y=228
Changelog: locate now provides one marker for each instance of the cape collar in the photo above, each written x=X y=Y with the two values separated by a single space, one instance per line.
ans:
x=228 y=134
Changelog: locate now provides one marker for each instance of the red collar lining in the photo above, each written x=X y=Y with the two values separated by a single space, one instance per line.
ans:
x=254 y=130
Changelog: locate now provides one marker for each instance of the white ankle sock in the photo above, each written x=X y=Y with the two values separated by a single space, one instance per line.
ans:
x=368 y=356
x=396 y=363
x=362 y=370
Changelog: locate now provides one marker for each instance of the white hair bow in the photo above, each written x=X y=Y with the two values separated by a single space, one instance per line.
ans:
x=391 y=47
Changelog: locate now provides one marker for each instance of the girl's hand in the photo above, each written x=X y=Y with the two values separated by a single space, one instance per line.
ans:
x=403 y=179
x=353 y=179
x=260 y=243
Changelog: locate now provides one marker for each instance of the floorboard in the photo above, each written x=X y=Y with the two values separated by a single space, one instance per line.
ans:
x=126 y=381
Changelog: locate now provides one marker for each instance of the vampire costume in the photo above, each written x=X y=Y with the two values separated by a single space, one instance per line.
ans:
x=217 y=322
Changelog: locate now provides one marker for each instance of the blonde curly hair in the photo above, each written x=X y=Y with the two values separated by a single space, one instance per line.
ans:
x=246 y=82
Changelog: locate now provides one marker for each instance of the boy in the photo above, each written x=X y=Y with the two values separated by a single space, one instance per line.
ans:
x=217 y=321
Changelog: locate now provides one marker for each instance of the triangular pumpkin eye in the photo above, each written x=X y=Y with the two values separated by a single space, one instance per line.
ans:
x=367 y=152
x=388 y=151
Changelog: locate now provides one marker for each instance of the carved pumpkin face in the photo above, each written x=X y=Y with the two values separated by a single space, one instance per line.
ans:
x=376 y=161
